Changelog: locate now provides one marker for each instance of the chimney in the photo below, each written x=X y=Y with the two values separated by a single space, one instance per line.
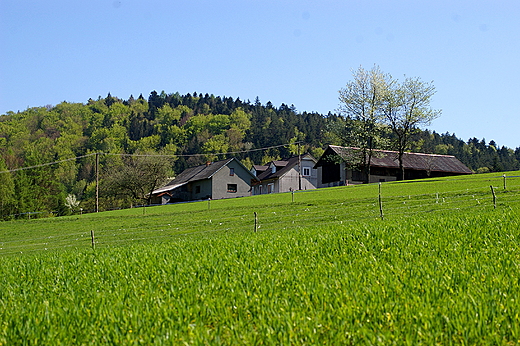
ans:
x=208 y=163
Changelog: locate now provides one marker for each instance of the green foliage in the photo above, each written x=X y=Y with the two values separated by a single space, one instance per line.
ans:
x=137 y=176
x=406 y=107
x=215 y=144
x=177 y=125
x=374 y=103
x=174 y=124
x=7 y=191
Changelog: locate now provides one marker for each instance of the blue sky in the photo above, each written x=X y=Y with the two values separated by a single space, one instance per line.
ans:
x=293 y=52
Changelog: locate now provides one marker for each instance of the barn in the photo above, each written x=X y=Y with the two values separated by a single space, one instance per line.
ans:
x=334 y=169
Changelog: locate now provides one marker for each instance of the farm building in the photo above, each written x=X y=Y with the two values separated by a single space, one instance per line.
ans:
x=333 y=169
x=216 y=180
x=284 y=175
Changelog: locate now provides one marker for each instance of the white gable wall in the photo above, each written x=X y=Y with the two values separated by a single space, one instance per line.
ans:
x=221 y=179
x=290 y=180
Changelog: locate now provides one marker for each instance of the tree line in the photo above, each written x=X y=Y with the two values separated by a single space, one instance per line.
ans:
x=186 y=130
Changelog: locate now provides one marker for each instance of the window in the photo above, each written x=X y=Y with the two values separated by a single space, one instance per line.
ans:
x=197 y=189
x=231 y=171
x=232 y=188
x=306 y=171
x=270 y=188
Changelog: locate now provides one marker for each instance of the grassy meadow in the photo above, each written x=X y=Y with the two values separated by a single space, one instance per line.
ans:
x=323 y=267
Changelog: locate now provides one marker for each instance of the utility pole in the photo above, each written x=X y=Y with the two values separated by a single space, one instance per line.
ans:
x=97 y=182
x=299 y=168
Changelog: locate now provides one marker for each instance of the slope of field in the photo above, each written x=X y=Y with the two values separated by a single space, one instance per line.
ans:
x=322 y=267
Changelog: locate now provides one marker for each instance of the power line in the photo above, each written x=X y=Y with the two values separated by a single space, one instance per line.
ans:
x=196 y=155
x=47 y=164
x=145 y=155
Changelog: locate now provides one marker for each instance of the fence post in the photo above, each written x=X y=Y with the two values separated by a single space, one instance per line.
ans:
x=256 y=221
x=209 y=203
x=505 y=181
x=93 y=241
x=381 y=203
x=292 y=192
x=494 y=197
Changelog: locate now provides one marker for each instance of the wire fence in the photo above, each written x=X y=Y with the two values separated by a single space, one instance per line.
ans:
x=156 y=224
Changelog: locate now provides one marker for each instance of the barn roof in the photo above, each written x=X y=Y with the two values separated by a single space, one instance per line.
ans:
x=411 y=161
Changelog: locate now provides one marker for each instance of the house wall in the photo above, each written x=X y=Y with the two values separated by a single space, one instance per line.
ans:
x=182 y=193
x=205 y=187
x=290 y=180
x=221 y=179
x=309 y=182
x=262 y=188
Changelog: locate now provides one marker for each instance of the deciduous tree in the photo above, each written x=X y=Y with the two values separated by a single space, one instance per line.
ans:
x=406 y=107
x=361 y=123
x=138 y=176
x=6 y=190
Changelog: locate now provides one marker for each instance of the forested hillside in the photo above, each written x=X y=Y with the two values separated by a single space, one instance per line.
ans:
x=186 y=129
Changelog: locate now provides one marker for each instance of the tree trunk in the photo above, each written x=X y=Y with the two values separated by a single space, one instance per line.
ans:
x=401 y=166
x=367 y=166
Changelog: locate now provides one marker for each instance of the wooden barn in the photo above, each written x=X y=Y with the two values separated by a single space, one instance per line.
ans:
x=333 y=169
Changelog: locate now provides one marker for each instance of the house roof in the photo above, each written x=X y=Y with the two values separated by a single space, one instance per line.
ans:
x=411 y=161
x=260 y=168
x=168 y=187
x=282 y=167
x=197 y=173
x=283 y=163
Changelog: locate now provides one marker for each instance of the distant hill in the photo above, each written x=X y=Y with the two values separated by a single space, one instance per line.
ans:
x=194 y=127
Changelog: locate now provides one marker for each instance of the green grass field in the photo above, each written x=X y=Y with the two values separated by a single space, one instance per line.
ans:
x=442 y=267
